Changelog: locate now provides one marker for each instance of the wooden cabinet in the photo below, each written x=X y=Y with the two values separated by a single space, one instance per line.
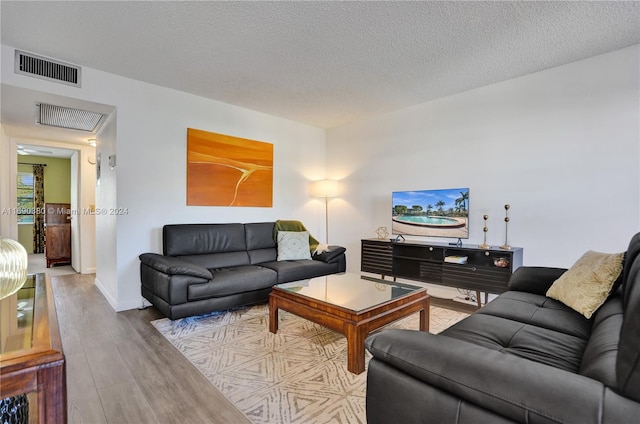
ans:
x=57 y=233
x=486 y=270
x=31 y=358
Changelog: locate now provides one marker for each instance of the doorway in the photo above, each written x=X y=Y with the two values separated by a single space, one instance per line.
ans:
x=64 y=181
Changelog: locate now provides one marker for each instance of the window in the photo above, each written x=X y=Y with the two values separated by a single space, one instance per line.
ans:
x=25 y=198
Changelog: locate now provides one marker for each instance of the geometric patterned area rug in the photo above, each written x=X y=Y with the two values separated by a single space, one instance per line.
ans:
x=298 y=375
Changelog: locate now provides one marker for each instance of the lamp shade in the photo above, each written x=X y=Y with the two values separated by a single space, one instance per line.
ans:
x=13 y=267
x=324 y=188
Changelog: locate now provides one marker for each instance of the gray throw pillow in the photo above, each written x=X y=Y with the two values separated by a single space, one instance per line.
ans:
x=293 y=245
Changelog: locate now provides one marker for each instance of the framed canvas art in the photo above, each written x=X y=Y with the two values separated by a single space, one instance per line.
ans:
x=223 y=170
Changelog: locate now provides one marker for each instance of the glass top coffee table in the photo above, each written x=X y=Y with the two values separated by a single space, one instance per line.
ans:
x=349 y=304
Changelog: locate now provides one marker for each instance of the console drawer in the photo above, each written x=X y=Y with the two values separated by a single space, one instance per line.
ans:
x=483 y=278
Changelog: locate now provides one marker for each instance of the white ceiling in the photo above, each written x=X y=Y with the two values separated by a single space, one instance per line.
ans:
x=320 y=63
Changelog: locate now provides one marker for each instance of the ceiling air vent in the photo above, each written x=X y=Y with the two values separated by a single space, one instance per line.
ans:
x=49 y=69
x=65 y=117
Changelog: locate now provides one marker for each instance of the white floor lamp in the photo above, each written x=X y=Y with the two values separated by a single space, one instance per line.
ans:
x=325 y=189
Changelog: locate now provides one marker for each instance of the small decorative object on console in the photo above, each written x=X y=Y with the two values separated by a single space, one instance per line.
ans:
x=501 y=262
x=456 y=259
x=382 y=233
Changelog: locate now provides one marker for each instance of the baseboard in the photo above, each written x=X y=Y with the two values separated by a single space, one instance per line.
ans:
x=106 y=294
x=132 y=304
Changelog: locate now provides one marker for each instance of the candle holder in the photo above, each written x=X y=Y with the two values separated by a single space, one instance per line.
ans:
x=485 y=229
x=506 y=246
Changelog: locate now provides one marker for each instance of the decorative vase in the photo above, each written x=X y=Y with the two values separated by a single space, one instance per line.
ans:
x=13 y=267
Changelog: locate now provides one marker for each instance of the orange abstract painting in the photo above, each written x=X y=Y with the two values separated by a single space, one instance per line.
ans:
x=228 y=171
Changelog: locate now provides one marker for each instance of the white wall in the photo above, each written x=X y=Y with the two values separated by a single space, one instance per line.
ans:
x=149 y=180
x=561 y=146
x=7 y=227
x=87 y=197
x=151 y=170
x=107 y=223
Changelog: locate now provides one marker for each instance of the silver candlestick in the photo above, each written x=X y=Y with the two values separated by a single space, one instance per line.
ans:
x=506 y=246
x=485 y=229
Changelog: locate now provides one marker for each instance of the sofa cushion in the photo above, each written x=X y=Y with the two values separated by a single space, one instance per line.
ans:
x=198 y=239
x=259 y=235
x=512 y=387
x=537 y=344
x=534 y=279
x=174 y=266
x=262 y=255
x=600 y=354
x=300 y=270
x=587 y=284
x=628 y=362
x=219 y=260
x=293 y=245
x=540 y=311
x=228 y=281
x=261 y=245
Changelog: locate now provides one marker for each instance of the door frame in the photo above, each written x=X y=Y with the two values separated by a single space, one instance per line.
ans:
x=84 y=235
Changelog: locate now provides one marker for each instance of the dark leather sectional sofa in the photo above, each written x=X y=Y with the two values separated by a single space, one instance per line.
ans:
x=212 y=267
x=523 y=358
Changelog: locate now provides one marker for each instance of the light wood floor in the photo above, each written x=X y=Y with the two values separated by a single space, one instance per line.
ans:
x=38 y=264
x=121 y=370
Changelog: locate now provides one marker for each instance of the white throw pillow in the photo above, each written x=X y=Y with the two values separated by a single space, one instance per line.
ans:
x=293 y=245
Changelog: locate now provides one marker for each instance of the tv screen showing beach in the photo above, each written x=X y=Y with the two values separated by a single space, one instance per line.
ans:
x=431 y=213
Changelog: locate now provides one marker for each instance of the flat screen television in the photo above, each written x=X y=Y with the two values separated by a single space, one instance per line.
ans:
x=431 y=213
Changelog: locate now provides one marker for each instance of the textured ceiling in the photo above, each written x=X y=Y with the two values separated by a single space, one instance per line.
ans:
x=321 y=63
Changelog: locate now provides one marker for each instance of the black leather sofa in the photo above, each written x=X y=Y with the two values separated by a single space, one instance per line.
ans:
x=212 y=267
x=523 y=358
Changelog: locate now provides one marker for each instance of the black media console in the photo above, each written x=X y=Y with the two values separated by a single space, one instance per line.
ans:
x=466 y=267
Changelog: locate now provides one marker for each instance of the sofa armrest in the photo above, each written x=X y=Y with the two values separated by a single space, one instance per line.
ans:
x=174 y=266
x=520 y=389
x=534 y=279
x=331 y=255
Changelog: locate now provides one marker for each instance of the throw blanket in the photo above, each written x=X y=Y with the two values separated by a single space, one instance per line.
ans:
x=284 y=225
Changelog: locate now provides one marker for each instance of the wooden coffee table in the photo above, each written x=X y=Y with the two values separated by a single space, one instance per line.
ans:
x=31 y=357
x=350 y=304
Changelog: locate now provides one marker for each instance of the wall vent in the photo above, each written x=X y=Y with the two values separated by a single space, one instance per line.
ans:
x=41 y=67
x=65 y=117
